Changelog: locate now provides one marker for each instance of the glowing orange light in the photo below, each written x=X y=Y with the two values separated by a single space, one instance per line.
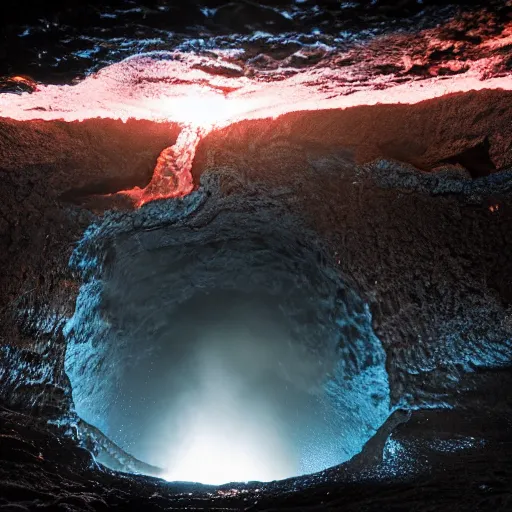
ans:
x=176 y=89
x=204 y=108
x=172 y=175
x=23 y=80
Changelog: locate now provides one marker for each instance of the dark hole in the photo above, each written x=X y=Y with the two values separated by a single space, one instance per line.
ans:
x=476 y=160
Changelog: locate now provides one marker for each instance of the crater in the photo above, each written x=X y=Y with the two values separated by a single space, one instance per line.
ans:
x=323 y=305
x=222 y=346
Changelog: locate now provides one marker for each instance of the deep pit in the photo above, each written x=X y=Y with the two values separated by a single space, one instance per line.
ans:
x=268 y=243
x=225 y=336
x=281 y=288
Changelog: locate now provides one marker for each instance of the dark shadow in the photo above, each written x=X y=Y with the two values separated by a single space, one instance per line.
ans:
x=475 y=159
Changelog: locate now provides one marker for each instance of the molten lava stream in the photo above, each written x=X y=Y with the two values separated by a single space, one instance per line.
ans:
x=173 y=87
x=172 y=175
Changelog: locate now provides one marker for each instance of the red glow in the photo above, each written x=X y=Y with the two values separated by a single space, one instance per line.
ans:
x=174 y=89
x=144 y=87
x=25 y=81
x=171 y=177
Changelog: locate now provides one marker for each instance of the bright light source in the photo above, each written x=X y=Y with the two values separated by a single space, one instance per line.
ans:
x=226 y=435
x=201 y=108
x=219 y=445
x=175 y=89
x=219 y=455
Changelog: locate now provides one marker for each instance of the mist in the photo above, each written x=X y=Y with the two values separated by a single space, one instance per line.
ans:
x=224 y=395
x=228 y=352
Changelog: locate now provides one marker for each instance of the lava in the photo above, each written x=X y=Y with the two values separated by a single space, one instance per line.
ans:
x=165 y=86
x=172 y=176
x=169 y=87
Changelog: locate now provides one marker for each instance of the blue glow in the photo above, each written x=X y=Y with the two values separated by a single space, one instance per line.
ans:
x=305 y=349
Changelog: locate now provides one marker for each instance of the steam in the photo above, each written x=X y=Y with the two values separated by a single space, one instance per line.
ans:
x=216 y=344
x=230 y=427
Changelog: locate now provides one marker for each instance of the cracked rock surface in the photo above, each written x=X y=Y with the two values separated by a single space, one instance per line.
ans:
x=403 y=211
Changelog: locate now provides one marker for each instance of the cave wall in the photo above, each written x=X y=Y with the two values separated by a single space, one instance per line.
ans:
x=471 y=129
x=427 y=247
x=45 y=167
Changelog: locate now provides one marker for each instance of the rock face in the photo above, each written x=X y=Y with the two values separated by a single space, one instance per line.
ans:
x=40 y=225
x=426 y=248
x=382 y=233
x=471 y=130
x=414 y=39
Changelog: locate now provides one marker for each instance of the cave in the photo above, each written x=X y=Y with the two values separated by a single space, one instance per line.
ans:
x=261 y=263
x=244 y=326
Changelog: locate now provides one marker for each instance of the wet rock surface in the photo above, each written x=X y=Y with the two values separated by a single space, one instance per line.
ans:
x=410 y=204
x=428 y=251
x=41 y=470
x=416 y=231
x=399 y=41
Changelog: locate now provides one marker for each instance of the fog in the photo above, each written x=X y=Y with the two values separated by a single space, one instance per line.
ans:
x=224 y=348
x=224 y=395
